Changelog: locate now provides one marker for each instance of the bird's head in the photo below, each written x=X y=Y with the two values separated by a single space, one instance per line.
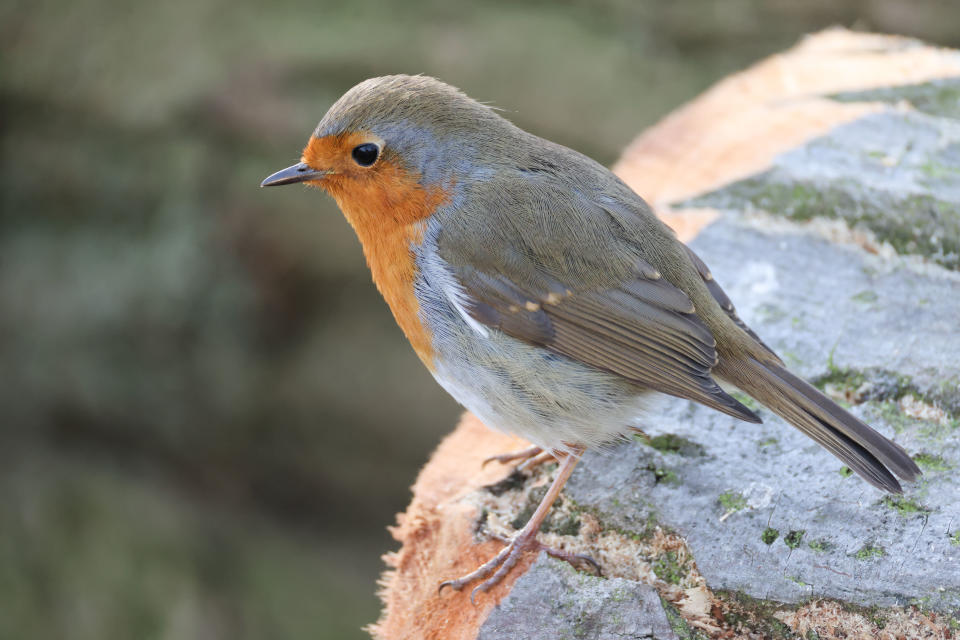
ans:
x=394 y=138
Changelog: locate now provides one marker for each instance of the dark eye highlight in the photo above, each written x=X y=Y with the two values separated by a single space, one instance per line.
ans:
x=365 y=154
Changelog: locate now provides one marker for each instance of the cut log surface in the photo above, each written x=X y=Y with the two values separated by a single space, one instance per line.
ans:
x=822 y=186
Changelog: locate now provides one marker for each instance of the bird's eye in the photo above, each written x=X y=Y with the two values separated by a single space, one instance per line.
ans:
x=365 y=154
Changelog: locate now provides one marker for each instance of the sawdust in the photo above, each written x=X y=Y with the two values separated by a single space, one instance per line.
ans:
x=917 y=408
x=831 y=621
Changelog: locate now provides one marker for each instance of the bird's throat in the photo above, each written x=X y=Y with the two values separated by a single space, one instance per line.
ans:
x=389 y=216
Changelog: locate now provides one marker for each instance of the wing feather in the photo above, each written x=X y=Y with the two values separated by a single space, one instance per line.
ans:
x=645 y=331
x=724 y=301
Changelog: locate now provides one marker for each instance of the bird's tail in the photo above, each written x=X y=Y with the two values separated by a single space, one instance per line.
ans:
x=865 y=451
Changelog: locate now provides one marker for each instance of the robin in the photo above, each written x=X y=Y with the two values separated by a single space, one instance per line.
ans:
x=540 y=291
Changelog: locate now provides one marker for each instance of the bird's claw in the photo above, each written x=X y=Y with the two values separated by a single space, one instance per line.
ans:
x=574 y=558
x=501 y=564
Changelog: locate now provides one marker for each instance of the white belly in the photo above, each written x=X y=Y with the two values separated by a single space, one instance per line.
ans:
x=545 y=398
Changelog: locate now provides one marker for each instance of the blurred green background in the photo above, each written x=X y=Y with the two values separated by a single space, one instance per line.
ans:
x=208 y=414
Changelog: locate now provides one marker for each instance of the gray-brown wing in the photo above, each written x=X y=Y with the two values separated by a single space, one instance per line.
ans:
x=645 y=330
x=723 y=300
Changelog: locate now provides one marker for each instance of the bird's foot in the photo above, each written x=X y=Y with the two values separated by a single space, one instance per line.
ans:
x=531 y=457
x=526 y=540
x=501 y=564
x=522 y=454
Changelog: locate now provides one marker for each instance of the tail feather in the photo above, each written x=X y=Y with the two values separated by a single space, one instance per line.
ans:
x=872 y=456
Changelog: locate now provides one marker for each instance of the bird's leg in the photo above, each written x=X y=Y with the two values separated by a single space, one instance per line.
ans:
x=522 y=454
x=526 y=539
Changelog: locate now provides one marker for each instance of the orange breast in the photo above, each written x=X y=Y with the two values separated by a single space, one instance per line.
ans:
x=387 y=207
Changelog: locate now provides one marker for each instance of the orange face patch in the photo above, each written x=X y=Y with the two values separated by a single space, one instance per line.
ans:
x=386 y=205
x=332 y=153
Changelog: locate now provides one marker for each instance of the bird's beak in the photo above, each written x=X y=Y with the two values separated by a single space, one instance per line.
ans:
x=297 y=173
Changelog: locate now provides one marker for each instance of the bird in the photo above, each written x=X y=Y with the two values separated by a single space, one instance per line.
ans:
x=542 y=292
